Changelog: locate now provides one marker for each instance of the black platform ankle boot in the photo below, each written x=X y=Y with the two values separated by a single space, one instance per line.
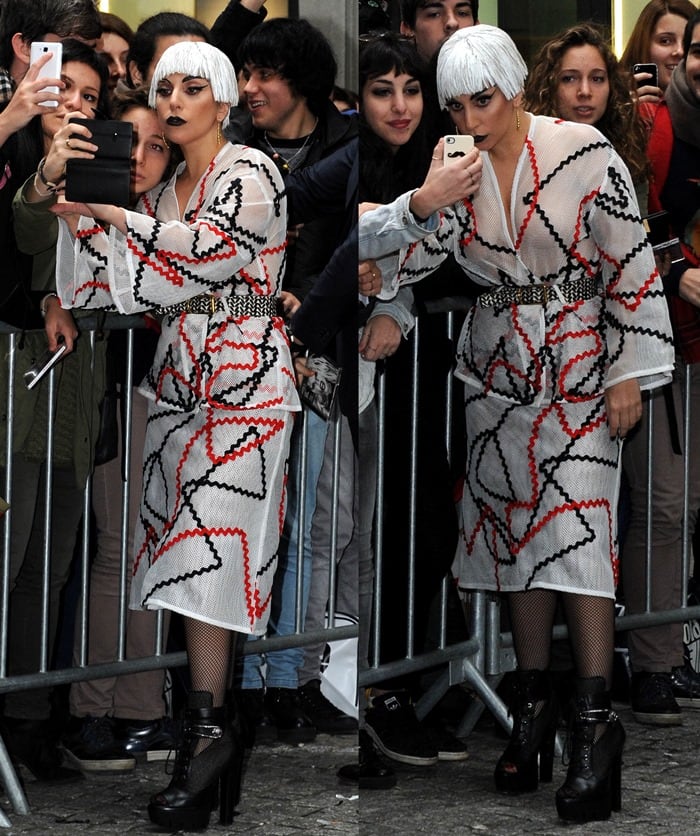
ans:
x=529 y=755
x=187 y=802
x=593 y=783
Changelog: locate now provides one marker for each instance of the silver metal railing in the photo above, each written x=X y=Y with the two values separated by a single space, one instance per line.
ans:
x=48 y=675
x=479 y=661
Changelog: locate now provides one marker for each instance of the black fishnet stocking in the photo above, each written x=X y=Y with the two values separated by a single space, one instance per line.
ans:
x=591 y=621
x=532 y=618
x=210 y=652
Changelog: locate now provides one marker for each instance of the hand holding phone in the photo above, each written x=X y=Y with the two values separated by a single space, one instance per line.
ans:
x=52 y=68
x=42 y=365
x=649 y=69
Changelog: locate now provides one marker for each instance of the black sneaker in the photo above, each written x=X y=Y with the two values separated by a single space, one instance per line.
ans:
x=652 y=700
x=291 y=721
x=371 y=772
x=323 y=714
x=90 y=745
x=685 y=682
x=258 y=726
x=449 y=747
x=152 y=740
x=392 y=724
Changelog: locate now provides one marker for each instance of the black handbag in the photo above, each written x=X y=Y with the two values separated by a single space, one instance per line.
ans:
x=107 y=177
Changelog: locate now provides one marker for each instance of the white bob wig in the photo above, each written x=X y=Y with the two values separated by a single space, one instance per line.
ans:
x=476 y=58
x=201 y=60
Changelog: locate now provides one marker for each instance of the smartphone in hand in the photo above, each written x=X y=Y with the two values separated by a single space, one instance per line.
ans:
x=42 y=365
x=456 y=146
x=52 y=68
x=652 y=69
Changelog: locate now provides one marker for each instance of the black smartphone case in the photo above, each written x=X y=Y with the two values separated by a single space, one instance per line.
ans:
x=107 y=177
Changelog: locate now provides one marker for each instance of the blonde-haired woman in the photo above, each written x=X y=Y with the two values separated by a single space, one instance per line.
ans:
x=206 y=250
x=570 y=325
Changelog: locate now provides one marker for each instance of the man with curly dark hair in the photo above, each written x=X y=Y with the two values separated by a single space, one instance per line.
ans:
x=288 y=71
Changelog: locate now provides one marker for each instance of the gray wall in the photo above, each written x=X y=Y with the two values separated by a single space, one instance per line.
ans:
x=337 y=19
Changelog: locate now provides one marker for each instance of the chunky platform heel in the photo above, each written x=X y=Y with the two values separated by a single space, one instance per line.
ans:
x=593 y=786
x=201 y=783
x=230 y=781
x=529 y=756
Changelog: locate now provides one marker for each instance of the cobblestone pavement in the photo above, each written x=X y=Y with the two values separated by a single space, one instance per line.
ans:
x=294 y=790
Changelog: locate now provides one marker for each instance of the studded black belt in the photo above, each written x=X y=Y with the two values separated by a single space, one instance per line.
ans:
x=541 y=294
x=261 y=306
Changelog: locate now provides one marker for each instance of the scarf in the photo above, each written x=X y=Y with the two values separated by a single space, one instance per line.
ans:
x=684 y=107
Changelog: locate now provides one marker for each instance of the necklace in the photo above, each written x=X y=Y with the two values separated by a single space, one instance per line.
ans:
x=286 y=165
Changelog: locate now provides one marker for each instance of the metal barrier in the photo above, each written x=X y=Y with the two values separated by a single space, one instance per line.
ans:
x=48 y=675
x=479 y=661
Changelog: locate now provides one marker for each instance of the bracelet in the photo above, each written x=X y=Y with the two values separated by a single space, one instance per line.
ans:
x=41 y=193
x=42 y=304
x=49 y=185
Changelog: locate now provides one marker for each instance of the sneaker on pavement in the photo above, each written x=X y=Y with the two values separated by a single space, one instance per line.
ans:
x=90 y=745
x=392 y=724
x=149 y=739
x=685 y=682
x=327 y=718
x=449 y=747
x=652 y=700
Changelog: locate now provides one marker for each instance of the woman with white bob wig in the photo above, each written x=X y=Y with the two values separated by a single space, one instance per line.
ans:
x=570 y=325
x=206 y=252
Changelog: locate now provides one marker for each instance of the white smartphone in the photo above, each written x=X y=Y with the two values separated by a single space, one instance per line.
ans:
x=456 y=146
x=52 y=68
x=41 y=366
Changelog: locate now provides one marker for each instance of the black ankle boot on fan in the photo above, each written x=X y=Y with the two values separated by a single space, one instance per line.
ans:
x=529 y=755
x=198 y=780
x=593 y=783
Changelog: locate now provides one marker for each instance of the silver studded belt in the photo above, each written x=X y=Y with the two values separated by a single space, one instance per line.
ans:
x=261 y=306
x=540 y=294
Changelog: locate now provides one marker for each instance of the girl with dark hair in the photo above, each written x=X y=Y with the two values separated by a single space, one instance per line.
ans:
x=92 y=100
x=116 y=718
x=394 y=158
x=79 y=388
x=391 y=78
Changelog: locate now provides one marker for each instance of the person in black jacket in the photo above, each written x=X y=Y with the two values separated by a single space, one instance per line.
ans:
x=289 y=70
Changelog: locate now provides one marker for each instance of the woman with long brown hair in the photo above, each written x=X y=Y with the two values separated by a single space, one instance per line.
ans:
x=657 y=38
x=576 y=76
